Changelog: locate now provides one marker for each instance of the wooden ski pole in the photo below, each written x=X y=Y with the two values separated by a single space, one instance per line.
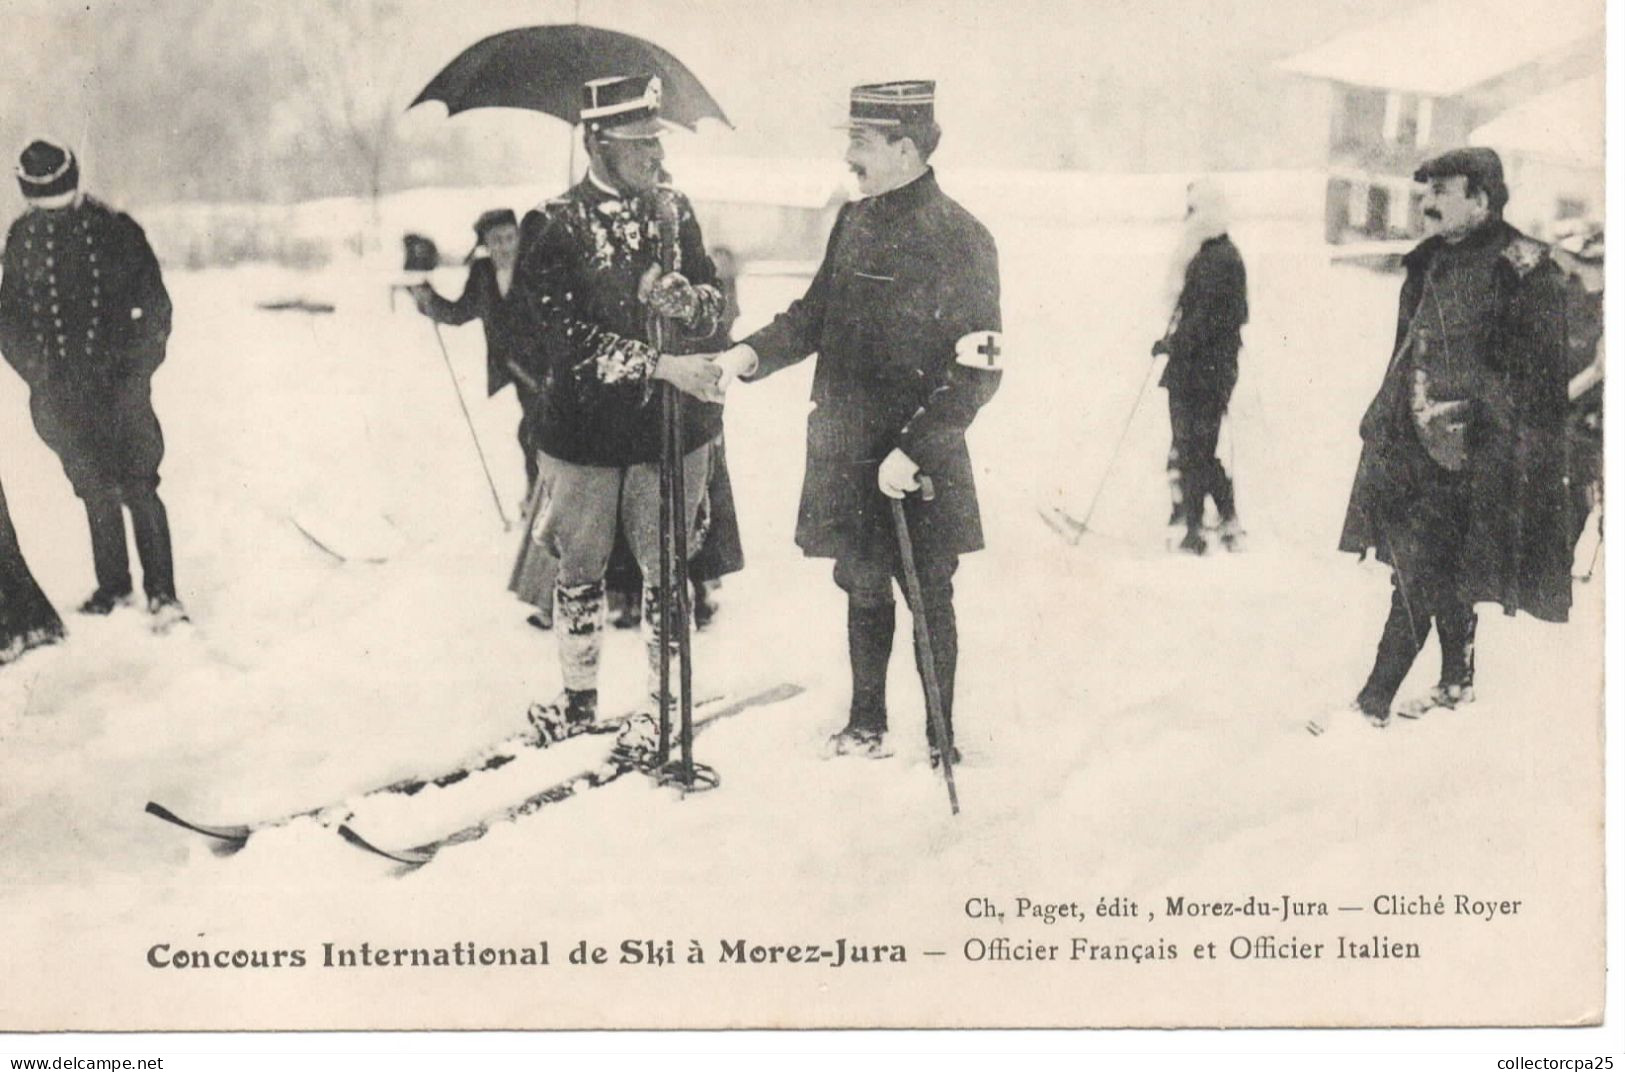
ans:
x=468 y=420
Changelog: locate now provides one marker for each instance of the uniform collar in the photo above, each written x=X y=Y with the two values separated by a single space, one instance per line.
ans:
x=599 y=194
x=908 y=196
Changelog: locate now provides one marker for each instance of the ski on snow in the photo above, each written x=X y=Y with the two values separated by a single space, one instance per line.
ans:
x=231 y=837
x=607 y=770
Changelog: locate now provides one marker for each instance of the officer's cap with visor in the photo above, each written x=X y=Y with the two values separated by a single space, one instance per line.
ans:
x=624 y=107
x=892 y=106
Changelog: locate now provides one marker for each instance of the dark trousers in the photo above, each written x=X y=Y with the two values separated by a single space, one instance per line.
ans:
x=110 y=445
x=1194 y=469
x=871 y=622
x=1424 y=545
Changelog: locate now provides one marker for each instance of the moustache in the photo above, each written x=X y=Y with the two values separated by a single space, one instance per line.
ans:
x=1432 y=214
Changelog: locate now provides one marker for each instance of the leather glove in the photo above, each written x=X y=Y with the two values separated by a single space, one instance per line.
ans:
x=899 y=475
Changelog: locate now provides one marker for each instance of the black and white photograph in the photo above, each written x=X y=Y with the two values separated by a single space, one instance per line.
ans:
x=585 y=515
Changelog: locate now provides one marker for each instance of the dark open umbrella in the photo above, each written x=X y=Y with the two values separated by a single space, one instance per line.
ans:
x=542 y=68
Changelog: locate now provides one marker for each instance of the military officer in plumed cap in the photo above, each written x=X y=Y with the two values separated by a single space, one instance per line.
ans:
x=904 y=315
x=84 y=319
x=1460 y=486
x=588 y=276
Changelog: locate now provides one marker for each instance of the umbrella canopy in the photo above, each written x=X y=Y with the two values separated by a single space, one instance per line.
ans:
x=542 y=68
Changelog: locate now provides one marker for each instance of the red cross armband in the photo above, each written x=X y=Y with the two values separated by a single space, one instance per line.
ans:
x=980 y=349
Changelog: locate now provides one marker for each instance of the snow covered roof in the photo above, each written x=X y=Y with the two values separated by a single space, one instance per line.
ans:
x=1564 y=124
x=1446 y=47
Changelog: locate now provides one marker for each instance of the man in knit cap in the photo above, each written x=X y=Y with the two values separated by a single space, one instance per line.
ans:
x=84 y=319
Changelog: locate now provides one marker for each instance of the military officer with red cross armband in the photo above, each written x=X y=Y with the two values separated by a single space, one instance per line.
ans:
x=904 y=315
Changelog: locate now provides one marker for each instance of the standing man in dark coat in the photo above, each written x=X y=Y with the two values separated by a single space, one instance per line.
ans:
x=1460 y=485
x=588 y=277
x=1580 y=256
x=84 y=319
x=904 y=315
x=490 y=278
x=1202 y=341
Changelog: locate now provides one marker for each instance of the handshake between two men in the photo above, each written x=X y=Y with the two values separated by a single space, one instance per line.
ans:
x=708 y=377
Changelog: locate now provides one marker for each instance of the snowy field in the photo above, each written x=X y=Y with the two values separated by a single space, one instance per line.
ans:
x=1133 y=720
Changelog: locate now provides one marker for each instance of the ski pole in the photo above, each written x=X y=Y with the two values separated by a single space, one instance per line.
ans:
x=1139 y=397
x=674 y=593
x=922 y=640
x=492 y=484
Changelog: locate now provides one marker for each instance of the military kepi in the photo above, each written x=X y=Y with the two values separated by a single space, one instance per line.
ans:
x=625 y=106
x=47 y=169
x=1479 y=165
x=893 y=104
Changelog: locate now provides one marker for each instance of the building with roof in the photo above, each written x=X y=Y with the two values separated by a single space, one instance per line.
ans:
x=1522 y=78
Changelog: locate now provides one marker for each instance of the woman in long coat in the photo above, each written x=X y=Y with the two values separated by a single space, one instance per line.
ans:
x=27 y=619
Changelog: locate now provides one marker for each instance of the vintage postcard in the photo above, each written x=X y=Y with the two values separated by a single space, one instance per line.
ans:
x=768 y=515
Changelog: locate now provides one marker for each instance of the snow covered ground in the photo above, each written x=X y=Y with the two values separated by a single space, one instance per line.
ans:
x=1133 y=721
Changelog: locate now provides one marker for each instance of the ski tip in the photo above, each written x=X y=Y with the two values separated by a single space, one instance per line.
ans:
x=232 y=836
x=411 y=858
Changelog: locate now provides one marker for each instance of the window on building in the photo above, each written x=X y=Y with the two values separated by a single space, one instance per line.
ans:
x=1337 y=209
x=1401 y=120
x=1376 y=211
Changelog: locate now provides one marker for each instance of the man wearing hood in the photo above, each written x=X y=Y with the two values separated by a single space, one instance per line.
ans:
x=1460 y=486
x=1202 y=342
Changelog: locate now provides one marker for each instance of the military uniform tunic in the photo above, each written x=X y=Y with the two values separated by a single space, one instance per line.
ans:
x=904 y=315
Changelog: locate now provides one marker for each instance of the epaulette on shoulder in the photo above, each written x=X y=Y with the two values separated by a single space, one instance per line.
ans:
x=1525 y=254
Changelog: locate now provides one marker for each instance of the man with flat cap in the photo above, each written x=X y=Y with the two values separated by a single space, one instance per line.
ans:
x=587 y=278
x=1460 y=483
x=904 y=315
x=84 y=319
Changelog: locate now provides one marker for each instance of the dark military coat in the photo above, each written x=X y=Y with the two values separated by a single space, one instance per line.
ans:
x=908 y=281
x=83 y=309
x=584 y=336
x=1517 y=549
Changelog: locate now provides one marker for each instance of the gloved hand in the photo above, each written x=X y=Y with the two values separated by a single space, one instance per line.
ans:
x=899 y=475
x=421 y=296
x=671 y=295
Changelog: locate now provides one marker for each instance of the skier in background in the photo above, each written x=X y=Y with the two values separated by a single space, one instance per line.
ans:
x=1207 y=286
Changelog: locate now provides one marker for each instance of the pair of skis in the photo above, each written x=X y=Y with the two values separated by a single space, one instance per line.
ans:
x=616 y=764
